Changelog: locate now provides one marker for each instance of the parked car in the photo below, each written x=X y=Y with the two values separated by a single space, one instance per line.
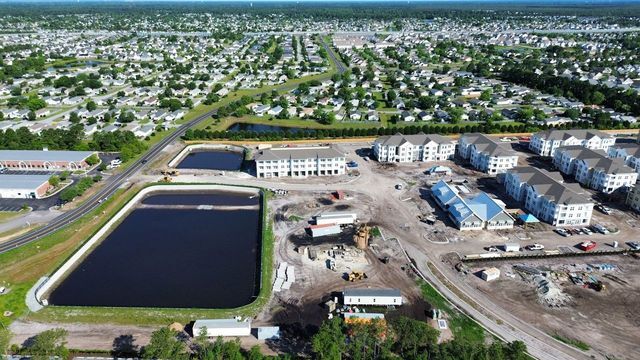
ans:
x=601 y=229
x=562 y=232
x=587 y=231
x=535 y=247
x=587 y=245
x=352 y=164
x=634 y=245
x=603 y=209
x=492 y=249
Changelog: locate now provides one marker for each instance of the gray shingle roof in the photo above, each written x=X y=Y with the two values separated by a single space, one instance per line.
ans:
x=487 y=145
x=550 y=186
x=566 y=134
x=597 y=159
x=417 y=139
x=324 y=152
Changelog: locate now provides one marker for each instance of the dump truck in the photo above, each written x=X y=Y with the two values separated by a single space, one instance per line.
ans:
x=170 y=172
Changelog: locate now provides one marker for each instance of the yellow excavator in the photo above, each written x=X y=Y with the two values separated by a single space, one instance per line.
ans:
x=357 y=275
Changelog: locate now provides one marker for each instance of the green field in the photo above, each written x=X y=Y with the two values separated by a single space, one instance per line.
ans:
x=462 y=326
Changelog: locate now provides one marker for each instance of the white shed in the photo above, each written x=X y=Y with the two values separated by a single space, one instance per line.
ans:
x=336 y=218
x=372 y=297
x=222 y=327
x=490 y=274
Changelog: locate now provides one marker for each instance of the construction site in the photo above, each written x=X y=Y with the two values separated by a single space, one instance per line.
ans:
x=587 y=301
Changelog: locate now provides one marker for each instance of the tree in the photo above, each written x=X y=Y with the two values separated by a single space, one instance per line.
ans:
x=5 y=339
x=54 y=180
x=47 y=344
x=91 y=105
x=31 y=116
x=413 y=336
x=485 y=95
x=164 y=345
x=329 y=342
x=92 y=160
x=597 y=98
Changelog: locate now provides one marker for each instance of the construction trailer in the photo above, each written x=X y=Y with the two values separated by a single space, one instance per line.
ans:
x=511 y=247
x=324 y=230
x=222 y=327
x=336 y=218
x=490 y=274
x=372 y=297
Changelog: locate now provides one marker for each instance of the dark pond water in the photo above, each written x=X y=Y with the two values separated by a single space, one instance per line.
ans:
x=261 y=128
x=174 y=258
x=212 y=159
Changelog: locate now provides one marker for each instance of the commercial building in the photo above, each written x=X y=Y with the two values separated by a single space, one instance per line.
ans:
x=472 y=212
x=630 y=153
x=300 y=162
x=409 y=148
x=372 y=297
x=24 y=186
x=44 y=160
x=544 y=195
x=592 y=168
x=222 y=327
x=485 y=154
x=546 y=142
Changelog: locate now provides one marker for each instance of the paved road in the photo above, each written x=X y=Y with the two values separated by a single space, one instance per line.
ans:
x=337 y=61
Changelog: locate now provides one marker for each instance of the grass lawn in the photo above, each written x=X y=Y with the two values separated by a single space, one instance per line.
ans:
x=22 y=267
x=463 y=327
x=8 y=215
x=573 y=342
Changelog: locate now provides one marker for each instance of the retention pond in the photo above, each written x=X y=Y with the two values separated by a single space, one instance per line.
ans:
x=173 y=250
x=212 y=160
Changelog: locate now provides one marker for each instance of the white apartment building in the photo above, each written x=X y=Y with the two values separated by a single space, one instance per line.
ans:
x=633 y=198
x=300 y=162
x=485 y=154
x=544 y=195
x=592 y=168
x=410 y=148
x=546 y=142
x=630 y=153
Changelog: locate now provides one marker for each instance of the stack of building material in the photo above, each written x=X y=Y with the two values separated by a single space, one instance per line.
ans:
x=281 y=277
x=290 y=277
x=361 y=238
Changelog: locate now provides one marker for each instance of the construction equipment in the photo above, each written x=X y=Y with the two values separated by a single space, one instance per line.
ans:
x=357 y=275
x=361 y=237
x=170 y=172
x=167 y=179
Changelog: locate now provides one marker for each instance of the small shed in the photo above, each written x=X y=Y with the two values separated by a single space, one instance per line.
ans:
x=324 y=230
x=336 y=218
x=268 y=333
x=490 y=274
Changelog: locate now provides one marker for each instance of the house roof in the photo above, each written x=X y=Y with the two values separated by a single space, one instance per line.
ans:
x=487 y=145
x=417 y=139
x=319 y=152
x=550 y=185
x=372 y=292
x=596 y=159
x=567 y=134
x=22 y=181
x=39 y=155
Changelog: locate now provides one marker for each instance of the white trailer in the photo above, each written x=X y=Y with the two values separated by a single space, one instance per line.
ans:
x=336 y=218
x=222 y=327
x=372 y=297
x=511 y=247
x=324 y=230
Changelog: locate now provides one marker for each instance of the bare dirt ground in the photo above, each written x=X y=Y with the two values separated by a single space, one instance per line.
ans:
x=608 y=321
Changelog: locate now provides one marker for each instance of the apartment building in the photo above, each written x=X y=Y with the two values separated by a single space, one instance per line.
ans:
x=633 y=198
x=546 y=142
x=409 y=148
x=592 y=168
x=485 y=154
x=630 y=153
x=473 y=212
x=544 y=195
x=300 y=162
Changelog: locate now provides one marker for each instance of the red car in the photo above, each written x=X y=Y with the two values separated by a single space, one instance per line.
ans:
x=587 y=245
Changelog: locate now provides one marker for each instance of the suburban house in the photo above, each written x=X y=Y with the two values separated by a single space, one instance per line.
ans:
x=594 y=169
x=409 y=148
x=485 y=154
x=546 y=142
x=300 y=162
x=544 y=195
x=476 y=212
